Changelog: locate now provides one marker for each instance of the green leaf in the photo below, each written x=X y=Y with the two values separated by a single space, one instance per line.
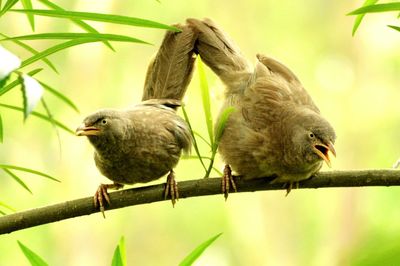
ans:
x=57 y=48
x=205 y=96
x=27 y=4
x=359 y=18
x=33 y=51
x=196 y=147
x=7 y=166
x=1 y=130
x=9 y=4
x=116 y=19
x=32 y=92
x=16 y=178
x=17 y=81
x=119 y=258
x=2 y=204
x=394 y=27
x=8 y=63
x=376 y=8
x=59 y=95
x=71 y=35
x=221 y=123
x=32 y=257
x=83 y=25
x=59 y=124
x=195 y=254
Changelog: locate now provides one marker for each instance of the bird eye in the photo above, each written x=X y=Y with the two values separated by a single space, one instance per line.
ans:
x=104 y=121
x=311 y=135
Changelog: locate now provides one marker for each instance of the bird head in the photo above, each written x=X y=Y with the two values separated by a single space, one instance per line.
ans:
x=314 y=138
x=102 y=123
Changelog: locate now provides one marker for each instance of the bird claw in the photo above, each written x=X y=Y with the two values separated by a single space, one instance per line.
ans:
x=289 y=187
x=102 y=194
x=227 y=181
x=171 y=188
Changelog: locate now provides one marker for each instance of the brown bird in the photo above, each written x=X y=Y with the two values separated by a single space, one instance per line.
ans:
x=144 y=142
x=275 y=130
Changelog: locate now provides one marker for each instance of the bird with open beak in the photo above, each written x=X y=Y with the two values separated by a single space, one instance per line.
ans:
x=275 y=130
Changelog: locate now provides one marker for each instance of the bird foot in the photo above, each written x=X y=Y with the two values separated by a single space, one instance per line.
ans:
x=289 y=187
x=171 y=188
x=227 y=181
x=102 y=194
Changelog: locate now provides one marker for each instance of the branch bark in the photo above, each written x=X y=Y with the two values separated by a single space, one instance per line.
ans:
x=193 y=188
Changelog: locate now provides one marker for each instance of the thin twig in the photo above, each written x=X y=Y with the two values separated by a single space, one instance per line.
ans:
x=193 y=188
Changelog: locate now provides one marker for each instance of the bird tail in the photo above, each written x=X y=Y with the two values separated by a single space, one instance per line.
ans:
x=170 y=71
x=222 y=55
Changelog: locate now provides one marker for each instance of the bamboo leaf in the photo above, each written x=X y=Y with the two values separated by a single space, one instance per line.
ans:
x=27 y=4
x=23 y=169
x=119 y=258
x=39 y=115
x=17 y=81
x=195 y=254
x=376 y=8
x=16 y=178
x=59 y=95
x=8 y=63
x=57 y=48
x=205 y=96
x=9 y=4
x=72 y=35
x=33 y=258
x=1 y=130
x=394 y=27
x=2 y=204
x=109 y=18
x=360 y=17
x=196 y=147
x=83 y=25
x=33 y=51
x=221 y=123
x=32 y=92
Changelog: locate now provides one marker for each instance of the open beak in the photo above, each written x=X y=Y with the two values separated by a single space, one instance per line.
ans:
x=322 y=150
x=84 y=130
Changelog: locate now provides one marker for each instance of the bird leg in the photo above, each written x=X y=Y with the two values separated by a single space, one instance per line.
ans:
x=289 y=187
x=171 y=188
x=102 y=194
x=227 y=181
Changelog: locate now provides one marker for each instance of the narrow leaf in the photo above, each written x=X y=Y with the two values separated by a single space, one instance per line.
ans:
x=197 y=134
x=17 y=81
x=360 y=17
x=9 y=4
x=116 y=19
x=2 y=204
x=71 y=35
x=33 y=51
x=83 y=25
x=32 y=92
x=196 y=147
x=195 y=254
x=394 y=27
x=59 y=95
x=16 y=178
x=376 y=8
x=27 y=4
x=7 y=166
x=57 y=48
x=59 y=124
x=1 y=130
x=8 y=63
x=119 y=258
x=205 y=95
x=221 y=123
x=33 y=258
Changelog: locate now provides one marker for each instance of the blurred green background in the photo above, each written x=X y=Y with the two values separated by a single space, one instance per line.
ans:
x=355 y=81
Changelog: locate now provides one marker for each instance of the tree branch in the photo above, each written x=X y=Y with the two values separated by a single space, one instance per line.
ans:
x=193 y=188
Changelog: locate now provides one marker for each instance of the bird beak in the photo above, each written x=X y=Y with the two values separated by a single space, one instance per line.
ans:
x=322 y=150
x=84 y=130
